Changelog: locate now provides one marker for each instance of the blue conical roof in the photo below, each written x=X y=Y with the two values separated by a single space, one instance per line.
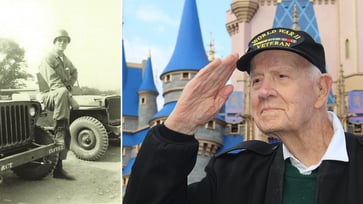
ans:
x=130 y=98
x=148 y=80
x=189 y=52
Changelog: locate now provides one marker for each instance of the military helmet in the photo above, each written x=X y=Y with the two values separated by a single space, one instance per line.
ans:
x=61 y=33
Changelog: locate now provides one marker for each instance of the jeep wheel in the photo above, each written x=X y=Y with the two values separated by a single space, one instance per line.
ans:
x=89 y=138
x=42 y=167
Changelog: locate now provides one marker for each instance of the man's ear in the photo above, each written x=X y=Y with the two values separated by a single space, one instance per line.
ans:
x=324 y=84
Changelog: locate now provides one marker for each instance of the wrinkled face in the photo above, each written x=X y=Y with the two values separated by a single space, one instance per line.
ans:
x=282 y=93
x=61 y=43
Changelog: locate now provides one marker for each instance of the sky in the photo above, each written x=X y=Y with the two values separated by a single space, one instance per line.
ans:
x=152 y=26
x=93 y=25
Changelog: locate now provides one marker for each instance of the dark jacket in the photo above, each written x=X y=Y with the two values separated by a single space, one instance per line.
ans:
x=254 y=174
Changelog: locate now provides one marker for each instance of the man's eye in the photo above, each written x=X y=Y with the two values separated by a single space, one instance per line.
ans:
x=254 y=81
x=282 y=76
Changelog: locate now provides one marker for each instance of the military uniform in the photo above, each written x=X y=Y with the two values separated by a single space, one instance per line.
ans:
x=58 y=75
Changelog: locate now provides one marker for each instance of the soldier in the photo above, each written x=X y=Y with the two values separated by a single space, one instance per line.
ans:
x=60 y=75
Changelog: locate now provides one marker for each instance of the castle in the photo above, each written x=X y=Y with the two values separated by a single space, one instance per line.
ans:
x=334 y=23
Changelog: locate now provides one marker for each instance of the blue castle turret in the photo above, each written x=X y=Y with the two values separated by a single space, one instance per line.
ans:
x=188 y=58
x=132 y=78
x=138 y=106
x=147 y=96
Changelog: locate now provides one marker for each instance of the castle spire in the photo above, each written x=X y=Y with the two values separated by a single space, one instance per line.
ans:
x=147 y=83
x=211 y=48
x=340 y=95
x=189 y=52
x=147 y=95
x=295 y=24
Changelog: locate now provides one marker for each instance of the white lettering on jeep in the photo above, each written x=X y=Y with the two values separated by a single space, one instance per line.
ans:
x=6 y=166
x=56 y=149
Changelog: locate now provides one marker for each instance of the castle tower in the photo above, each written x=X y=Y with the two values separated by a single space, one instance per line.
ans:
x=131 y=80
x=138 y=105
x=188 y=58
x=147 y=96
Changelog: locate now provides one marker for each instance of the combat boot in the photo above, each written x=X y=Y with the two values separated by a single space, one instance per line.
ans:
x=60 y=132
x=59 y=136
x=60 y=173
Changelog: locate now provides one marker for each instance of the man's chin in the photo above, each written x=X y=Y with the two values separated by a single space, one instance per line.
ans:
x=269 y=130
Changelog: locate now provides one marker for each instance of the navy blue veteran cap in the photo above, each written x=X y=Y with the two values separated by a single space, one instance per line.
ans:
x=295 y=41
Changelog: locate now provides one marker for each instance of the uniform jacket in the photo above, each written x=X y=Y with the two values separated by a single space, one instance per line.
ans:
x=57 y=72
x=253 y=173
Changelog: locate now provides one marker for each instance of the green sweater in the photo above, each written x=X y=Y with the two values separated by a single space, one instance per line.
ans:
x=298 y=188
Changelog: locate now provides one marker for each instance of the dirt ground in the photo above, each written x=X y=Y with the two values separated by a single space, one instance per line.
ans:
x=96 y=182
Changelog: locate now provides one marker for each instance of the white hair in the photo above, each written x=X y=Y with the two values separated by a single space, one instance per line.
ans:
x=314 y=71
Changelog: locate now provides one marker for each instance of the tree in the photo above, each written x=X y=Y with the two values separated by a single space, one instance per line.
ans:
x=12 y=65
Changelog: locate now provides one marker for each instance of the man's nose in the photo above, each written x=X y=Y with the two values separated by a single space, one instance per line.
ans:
x=267 y=89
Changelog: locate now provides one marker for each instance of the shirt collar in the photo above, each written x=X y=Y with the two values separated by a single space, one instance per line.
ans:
x=336 y=150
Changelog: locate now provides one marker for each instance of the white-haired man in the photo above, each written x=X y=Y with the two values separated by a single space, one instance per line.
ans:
x=315 y=162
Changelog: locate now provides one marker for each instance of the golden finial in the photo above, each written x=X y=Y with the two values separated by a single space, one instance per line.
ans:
x=211 y=49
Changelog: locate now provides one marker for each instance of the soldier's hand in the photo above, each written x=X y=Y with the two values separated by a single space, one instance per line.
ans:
x=203 y=96
x=69 y=87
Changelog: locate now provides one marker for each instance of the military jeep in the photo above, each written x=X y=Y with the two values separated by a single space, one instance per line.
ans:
x=25 y=148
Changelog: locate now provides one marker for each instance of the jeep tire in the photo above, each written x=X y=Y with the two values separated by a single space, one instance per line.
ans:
x=42 y=167
x=89 y=138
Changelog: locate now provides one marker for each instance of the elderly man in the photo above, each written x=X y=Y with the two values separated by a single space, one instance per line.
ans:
x=315 y=162
x=59 y=75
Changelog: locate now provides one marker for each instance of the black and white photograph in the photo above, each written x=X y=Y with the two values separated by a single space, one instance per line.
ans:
x=60 y=101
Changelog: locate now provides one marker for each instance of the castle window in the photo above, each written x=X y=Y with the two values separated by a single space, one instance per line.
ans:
x=167 y=78
x=207 y=148
x=185 y=76
x=157 y=122
x=347 y=54
x=357 y=129
x=143 y=100
x=210 y=125
x=234 y=129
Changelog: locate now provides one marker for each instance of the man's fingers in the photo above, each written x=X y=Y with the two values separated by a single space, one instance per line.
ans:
x=203 y=96
x=223 y=95
x=228 y=67
x=218 y=71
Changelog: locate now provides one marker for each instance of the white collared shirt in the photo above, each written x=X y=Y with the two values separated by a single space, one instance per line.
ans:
x=337 y=149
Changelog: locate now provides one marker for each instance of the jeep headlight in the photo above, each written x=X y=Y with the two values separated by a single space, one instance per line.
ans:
x=32 y=111
x=99 y=102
